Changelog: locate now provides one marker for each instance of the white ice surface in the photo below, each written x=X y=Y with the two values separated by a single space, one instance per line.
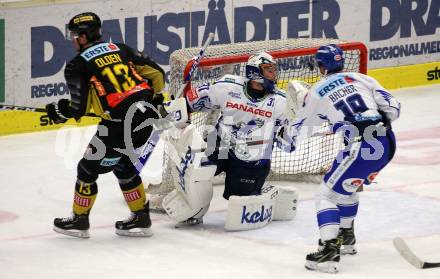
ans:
x=37 y=175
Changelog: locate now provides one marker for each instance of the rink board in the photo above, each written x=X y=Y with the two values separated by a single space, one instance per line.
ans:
x=390 y=78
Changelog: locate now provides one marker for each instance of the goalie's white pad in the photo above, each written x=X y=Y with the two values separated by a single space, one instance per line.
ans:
x=177 y=111
x=295 y=95
x=193 y=197
x=180 y=141
x=193 y=182
x=253 y=212
x=285 y=203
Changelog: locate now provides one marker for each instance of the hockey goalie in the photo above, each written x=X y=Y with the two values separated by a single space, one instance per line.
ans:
x=252 y=113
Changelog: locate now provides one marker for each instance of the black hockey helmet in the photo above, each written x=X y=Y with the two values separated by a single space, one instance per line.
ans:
x=85 y=23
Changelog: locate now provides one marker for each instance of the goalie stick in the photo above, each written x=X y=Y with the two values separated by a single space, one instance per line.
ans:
x=198 y=57
x=193 y=66
x=410 y=257
x=231 y=145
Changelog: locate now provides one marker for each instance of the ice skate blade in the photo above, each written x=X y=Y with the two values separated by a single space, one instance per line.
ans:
x=345 y=249
x=74 y=233
x=327 y=267
x=348 y=250
x=158 y=211
x=188 y=224
x=136 y=232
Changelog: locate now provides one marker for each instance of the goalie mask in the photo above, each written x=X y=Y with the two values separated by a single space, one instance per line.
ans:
x=85 y=23
x=330 y=57
x=256 y=67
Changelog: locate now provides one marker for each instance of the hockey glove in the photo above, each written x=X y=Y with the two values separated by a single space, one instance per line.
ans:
x=59 y=112
x=385 y=120
x=157 y=100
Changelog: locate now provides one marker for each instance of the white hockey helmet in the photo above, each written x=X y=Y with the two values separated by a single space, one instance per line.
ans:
x=255 y=72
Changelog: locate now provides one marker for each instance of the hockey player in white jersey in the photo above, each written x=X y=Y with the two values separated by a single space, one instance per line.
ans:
x=362 y=109
x=251 y=109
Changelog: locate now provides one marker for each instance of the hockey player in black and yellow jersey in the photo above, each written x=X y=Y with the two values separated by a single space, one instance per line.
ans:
x=121 y=86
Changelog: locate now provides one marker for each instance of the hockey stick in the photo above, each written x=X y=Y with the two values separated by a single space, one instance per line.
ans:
x=198 y=58
x=410 y=257
x=195 y=64
x=32 y=109
x=231 y=146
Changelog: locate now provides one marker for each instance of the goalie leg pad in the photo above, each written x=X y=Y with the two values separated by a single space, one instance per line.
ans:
x=249 y=212
x=285 y=204
x=193 y=182
x=253 y=212
x=182 y=143
x=181 y=206
x=191 y=199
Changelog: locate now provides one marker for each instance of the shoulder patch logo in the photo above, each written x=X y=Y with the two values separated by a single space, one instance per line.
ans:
x=98 y=50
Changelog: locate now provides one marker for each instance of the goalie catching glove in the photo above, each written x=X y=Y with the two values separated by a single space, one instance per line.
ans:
x=295 y=96
x=59 y=112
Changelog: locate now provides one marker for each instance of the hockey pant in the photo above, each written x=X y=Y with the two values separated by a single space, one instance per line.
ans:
x=103 y=155
x=242 y=178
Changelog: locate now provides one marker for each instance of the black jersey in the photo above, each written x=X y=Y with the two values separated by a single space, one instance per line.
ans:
x=105 y=75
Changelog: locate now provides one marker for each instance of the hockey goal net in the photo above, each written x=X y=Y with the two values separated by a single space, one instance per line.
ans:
x=313 y=156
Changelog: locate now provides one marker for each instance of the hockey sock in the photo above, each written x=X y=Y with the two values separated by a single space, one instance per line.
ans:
x=348 y=209
x=134 y=194
x=84 y=198
x=328 y=219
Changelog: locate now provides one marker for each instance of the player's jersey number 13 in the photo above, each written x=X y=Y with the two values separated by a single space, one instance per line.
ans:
x=118 y=75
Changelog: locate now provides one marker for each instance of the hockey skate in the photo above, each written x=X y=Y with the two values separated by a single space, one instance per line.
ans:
x=327 y=259
x=138 y=224
x=75 y=225
x=189 y=222
x=348 y=241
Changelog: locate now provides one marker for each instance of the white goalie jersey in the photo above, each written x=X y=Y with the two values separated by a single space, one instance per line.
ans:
x=243 y=119
x=345 y=98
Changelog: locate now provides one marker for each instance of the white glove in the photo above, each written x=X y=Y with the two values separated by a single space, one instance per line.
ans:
x=177 y=112
x=295 y=96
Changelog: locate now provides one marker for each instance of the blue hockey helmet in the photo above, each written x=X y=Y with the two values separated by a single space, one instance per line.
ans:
x=254 y=69
x=330 y=57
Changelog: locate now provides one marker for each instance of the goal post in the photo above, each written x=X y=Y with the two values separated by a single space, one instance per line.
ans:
x=313 y=156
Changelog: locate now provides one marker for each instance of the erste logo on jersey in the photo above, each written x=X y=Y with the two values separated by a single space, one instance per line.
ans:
x=334 y=83
x=98 y=50
x=349 y=79
x=329 y=86
x=249 y=109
